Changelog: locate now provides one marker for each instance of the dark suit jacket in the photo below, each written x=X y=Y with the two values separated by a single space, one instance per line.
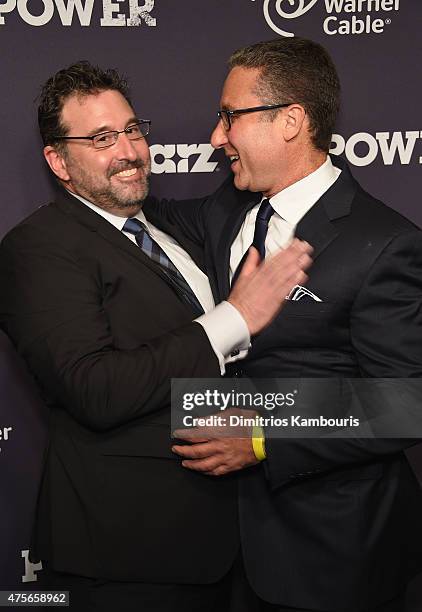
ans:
x=328 y=525
x=103 y=330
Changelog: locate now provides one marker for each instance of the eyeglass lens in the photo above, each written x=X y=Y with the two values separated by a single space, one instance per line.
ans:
x=133 y=132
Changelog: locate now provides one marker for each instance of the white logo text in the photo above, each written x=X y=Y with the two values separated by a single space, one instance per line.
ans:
x=163 y=158
x=69 y=11
x=362 y=148
x=342 y=16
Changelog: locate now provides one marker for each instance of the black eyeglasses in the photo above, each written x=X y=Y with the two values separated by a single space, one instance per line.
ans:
x=226 y=115
x=135 y=131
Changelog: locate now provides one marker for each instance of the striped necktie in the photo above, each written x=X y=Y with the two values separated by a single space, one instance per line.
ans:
x=153 y=250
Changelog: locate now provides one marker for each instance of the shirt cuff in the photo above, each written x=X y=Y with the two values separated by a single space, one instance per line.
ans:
x=227 y=332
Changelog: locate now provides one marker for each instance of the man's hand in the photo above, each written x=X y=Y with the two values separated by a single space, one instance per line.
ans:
x=217 y=457
x=260 y=291
x=216 y=451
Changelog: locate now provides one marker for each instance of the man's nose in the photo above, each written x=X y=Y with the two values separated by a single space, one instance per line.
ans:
x=219 y=136
x=125 y=148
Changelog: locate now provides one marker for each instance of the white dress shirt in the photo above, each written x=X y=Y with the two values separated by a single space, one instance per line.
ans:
x=224 y=325
x=290 y=205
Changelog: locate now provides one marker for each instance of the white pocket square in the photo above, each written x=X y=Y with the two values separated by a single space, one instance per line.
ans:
x=298 y=293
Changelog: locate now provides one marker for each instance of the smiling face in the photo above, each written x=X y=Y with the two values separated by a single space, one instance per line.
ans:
x=115 y=178
x=255 y=143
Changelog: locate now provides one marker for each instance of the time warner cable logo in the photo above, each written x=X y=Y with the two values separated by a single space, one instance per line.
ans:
x=342 y=16
x=69 y=11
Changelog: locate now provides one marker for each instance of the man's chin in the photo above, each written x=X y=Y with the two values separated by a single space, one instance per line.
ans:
x=124 y=207
x=238 y=183
x=129 y=200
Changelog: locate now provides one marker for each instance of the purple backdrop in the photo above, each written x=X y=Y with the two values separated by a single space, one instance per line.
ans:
x=174 y=54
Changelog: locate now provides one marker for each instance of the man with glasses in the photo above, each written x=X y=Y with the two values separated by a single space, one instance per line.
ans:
x=100 y=305
x=332 y=526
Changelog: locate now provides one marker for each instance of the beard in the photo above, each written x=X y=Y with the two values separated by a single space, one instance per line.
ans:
x=109 y=194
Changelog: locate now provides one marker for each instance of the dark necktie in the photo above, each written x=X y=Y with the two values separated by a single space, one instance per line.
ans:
x=263 y=217
x=153 y=250
x=261 y=226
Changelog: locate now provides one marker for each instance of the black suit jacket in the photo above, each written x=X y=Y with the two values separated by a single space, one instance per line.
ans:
x=103 y=330
x=328 y=525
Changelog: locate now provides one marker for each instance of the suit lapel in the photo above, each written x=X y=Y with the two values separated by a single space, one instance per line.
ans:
x=229 y=232
x=95 y=223
x=317 y=229
x=317 y=225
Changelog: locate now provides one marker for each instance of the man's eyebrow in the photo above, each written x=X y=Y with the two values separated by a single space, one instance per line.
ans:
x=132 y=120
x=99 y=130
x=107 y=128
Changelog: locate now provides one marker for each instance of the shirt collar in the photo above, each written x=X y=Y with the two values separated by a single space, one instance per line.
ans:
x=294 y=202
x=115 y=220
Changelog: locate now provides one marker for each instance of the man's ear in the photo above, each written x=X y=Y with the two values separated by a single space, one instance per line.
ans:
x=294 y=121
x=57 y=163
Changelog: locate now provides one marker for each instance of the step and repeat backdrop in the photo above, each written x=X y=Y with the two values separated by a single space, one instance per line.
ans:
x=174 y=54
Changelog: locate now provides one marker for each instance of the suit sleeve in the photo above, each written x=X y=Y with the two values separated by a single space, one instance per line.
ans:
x=185 y=218
x=386 y=334
x=175 y=217
x=52 y=309
x=386 y=320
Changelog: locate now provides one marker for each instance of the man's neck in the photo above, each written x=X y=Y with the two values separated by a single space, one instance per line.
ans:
x=130 y=211
x=297 y=168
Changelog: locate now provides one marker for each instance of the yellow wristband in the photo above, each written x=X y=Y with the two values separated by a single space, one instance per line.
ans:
x=258 y=442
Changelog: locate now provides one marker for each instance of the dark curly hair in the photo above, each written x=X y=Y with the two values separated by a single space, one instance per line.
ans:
x=81 y=79
x=296 y=70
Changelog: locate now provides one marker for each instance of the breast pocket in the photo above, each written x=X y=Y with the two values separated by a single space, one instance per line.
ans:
x=307 y=308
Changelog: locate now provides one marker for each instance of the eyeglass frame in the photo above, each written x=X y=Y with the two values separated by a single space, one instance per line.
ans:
x=244 y=111
x=117 y=132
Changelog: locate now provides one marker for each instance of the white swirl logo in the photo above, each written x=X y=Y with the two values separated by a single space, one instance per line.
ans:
x=301 y=9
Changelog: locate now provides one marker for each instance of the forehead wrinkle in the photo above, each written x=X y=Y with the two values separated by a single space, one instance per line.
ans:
x=107 y=128
x=75 y=108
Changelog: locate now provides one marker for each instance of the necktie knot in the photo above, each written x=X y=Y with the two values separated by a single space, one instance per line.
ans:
x=265 y=211
x=133 y=226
